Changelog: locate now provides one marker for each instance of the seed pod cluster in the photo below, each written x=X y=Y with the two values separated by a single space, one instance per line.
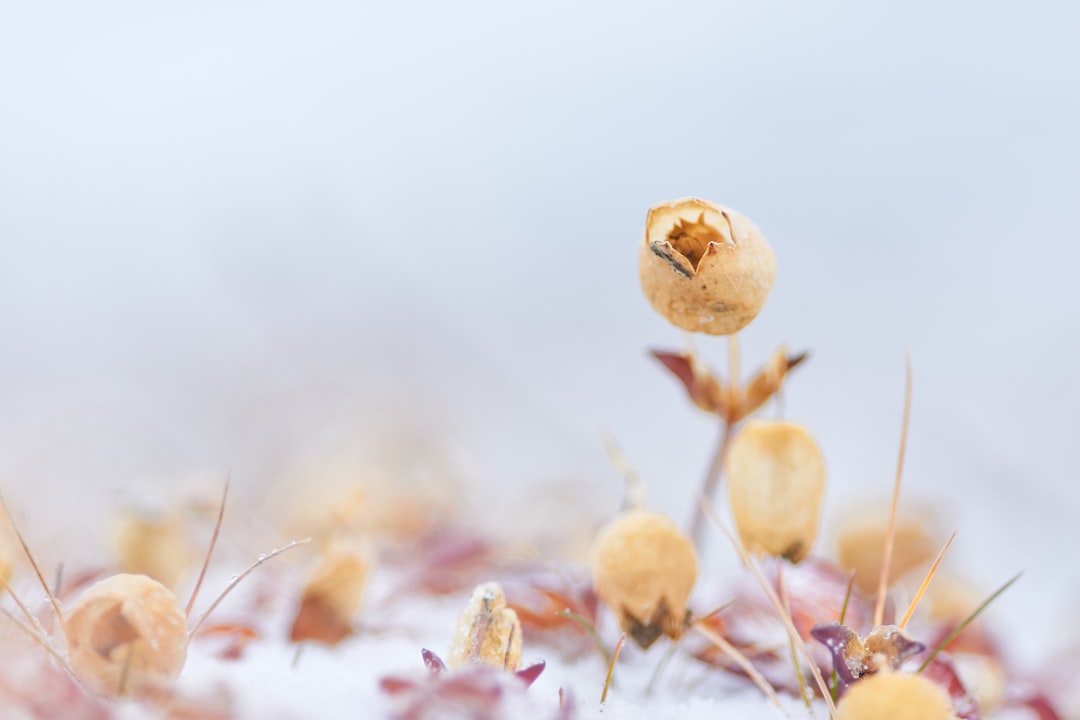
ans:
x=333 y=593
x=704 y=267
x=487 y=632
x=126 y=636
x=896 y=696
x=776 y=480
x=644 y=569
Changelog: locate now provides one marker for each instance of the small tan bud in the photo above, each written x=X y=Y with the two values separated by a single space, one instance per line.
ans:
x=776 y=479
x=126 y=636
x=861 y=547
x=704 y=267
x=333 y=593
x=896 y=696
x=487 y=632
x=157 y=547
x=644 y=568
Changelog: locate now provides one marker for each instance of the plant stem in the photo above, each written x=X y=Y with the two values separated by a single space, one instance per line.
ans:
x=712 y=479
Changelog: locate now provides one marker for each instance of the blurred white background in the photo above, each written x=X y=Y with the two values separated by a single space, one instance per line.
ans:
x=255 y=236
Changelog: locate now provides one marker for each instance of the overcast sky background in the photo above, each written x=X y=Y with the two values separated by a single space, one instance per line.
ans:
x=269 y=237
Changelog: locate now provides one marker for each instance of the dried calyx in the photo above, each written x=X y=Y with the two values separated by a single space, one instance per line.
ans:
x=704 y=267
x=644 y=568
x=884 y=648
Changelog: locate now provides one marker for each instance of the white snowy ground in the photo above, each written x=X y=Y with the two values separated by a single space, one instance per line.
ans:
x=276 y=240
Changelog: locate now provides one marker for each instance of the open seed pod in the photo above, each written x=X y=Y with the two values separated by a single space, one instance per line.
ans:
x=126 y=636
x=644 y=568
x=705 y=267
x=487 y=632
x=333 y=593
x=776 y=479
x=896 y=696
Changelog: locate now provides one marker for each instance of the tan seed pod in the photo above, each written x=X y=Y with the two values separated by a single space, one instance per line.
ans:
x=487 y=632
x=126 y=636
x=157 y=547
x=705 y=267
x=644 y=569
x=333 y=593
x=776 y=480
x=896 y=696
x=861 y=547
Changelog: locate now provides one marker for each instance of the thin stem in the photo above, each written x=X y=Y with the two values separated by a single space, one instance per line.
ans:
x=890 y=534
x=741 y=660
x=712 y=479
x=236 y=581
x=926 y=583
x=611 y=668
x=794 y=653
x=33 y=563
x=590 y=628
x=209 y=550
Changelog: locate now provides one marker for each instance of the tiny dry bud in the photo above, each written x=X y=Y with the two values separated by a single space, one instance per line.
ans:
x=644 y=568
x=157 y=547
x=126 y=636
x=896 y=696
x=487 y=632
x=333 y=593
x=861 y=547
x=704 y=267
x=776 y=479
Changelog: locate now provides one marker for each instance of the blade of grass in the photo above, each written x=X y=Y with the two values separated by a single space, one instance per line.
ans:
x=611 y=668
x=742 y=661
x=967 y=621
x=591 y=629
x=926 y=582
x=890 y=534
x=835 y=689
x=791 y=643
x=793 y=633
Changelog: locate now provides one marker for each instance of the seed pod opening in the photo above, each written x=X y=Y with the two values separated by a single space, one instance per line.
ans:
x=644 y=569
x=776 y=479
x=897 y=696
x=126 y=636
x=487 y=632
x=705 y=267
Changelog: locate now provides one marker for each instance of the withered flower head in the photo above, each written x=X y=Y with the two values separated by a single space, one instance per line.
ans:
x=776 y=480
x=126 y=636
x=487 y=632
x=884 y=648
x=644 y=568
x=896 y=696
x=159 y=547
x=705 y=267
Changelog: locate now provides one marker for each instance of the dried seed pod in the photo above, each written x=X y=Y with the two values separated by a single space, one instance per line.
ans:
x=861 y=545
x=644 y=568
x=776 y=479
x=704 y=267
x=333 y=593
x=126 y=636
x=897 y=696
x=487 y=632
x=157 y=547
